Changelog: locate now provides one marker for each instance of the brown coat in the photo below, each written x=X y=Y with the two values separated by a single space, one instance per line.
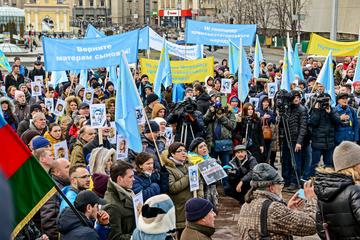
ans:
x=179 y=187
x=195 y=231
x=282 y=222
x=77 y=155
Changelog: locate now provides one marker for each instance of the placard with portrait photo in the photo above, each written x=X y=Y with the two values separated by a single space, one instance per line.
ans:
x=88 y=96
x=225 y=86
x=49 y=104
x=35 y=89
x=122 y=147
x=39 y=79
x=140 y=116
x=59 y=108
x=97 y=115
x=272 y=88
x=61 y=150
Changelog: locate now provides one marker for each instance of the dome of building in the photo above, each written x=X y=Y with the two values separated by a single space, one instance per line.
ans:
x=7 y=11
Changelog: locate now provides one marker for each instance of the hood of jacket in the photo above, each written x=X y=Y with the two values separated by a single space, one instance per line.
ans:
x=9 y=102
x=261 y=99
x=328 y=185
x=157 y=107
x=68 y=221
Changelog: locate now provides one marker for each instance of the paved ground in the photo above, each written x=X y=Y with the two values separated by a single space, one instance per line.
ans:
x=226 y=221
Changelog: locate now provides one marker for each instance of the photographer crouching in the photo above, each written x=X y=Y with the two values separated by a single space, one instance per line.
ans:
x=221 y=122
x=323 y=122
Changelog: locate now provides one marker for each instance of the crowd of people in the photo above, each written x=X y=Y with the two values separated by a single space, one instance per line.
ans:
x=245 y=139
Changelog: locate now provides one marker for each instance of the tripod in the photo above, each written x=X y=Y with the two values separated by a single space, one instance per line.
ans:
x=184 y=132
x=286 y=130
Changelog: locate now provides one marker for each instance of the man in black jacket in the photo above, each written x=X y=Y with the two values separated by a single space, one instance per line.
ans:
x=14 y=78
x=50 y=210
x=72 y=227
x=240 y=173
x=296 y=117
x=323 y=121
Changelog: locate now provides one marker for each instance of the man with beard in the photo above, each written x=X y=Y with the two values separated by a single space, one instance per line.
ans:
x=79 y=180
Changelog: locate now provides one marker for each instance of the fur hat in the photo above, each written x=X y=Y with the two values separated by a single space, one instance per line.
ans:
x=264 y=175
x=346 y=155
x=159 y=120
x=157 y=215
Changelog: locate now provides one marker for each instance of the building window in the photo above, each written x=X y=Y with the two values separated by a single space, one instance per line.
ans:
x=60 y=1
x=32 y=1
x=80 y=3
x=102 y=3
x=91 y=3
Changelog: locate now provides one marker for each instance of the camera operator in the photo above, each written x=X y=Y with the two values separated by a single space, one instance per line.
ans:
x=323 y=121
x=220 y=122
x=188 y=121
x=296 y=118
x=348 y=129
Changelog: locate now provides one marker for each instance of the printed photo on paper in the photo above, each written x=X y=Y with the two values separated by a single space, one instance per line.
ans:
x=59 y=108
x=61 y=150
x=225 y=86
x=122 y=147
x=97 y=115
x=36 y=89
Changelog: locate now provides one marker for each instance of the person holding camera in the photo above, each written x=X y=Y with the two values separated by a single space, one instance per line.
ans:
x=249 y=132
x=188 y=120
x=348 y=129
x=220 y=123
x=323 y=121
x=296 y=118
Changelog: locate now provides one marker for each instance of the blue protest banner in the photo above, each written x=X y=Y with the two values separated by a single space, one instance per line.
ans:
x=218 y=34
x=92 y=32
x=144 y=38
x=69 y=54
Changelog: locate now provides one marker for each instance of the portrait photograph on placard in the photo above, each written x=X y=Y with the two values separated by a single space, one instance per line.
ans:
x=39 y=79
x=272 y=90
x=194 y=178
x=61 y=150
x=97 y=115
x=36 y=89
x=122 y=147
x=59 y=108
x=140 y=116
x=49 y=104
x=88 y=96
x=112 y=133
x=225 y=85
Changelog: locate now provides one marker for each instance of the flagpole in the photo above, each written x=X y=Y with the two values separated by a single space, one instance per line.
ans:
x=147 y=121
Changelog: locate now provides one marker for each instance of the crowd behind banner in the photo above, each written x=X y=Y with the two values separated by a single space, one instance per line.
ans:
x=204 y=140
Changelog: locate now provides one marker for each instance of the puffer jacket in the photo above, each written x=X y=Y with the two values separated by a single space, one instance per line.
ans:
x=297 y=121
x=52 y=140
x=150 y=148
x=22 y=111
x=203 y=102
x=228 y=124
x=179 y=187
x=348 y=130
x=323 y=128
x=9 y=116
x=268 y=111
x=151 y=185
x=338 y=204
x=241 y=170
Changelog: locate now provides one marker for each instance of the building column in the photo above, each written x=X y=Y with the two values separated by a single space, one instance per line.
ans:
x=57 y=21
x=36 y=27
x=65 y=22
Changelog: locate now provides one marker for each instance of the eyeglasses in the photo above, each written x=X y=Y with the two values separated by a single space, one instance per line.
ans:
x=84 y=177
x=180 y=150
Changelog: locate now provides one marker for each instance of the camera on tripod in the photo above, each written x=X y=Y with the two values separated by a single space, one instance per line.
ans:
x=282 y=101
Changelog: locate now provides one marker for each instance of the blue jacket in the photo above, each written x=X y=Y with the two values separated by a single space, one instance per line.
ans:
x=348 y=130
x=152 y=185
x=71 y=194
x=268 y=111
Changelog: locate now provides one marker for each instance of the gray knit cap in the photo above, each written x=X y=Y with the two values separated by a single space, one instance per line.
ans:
x=346 y=155
x=264 y=175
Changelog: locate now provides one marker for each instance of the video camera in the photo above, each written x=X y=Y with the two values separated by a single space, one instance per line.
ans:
x=323 y=101
x=219 y=109
x=186 y=107
x=282 y=101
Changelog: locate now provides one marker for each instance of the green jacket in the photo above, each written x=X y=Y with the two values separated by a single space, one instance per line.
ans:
x=228 y=124
x=179 y=187
x=195 y=231
x=77 y=155
x=121 y=211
